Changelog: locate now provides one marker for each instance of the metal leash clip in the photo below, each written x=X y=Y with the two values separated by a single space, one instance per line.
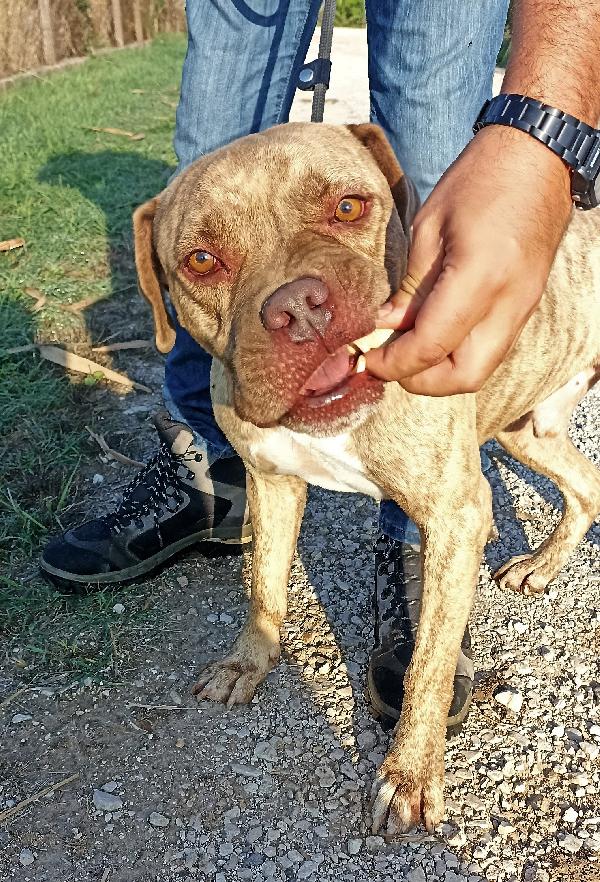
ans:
x=314 y=73
x=314 y=76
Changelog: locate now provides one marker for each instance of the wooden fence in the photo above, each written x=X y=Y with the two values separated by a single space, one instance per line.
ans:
x=34 y=33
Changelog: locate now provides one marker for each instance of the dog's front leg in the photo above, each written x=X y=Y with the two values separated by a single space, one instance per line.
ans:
x=409 y=785
x=276 y=507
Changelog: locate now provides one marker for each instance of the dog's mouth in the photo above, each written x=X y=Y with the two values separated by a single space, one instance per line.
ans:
x=339 y=386
x=329 y=382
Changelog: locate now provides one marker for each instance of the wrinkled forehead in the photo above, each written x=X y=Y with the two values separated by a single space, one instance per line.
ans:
x=271 y=179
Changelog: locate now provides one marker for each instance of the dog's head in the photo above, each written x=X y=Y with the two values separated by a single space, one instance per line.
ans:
x=277 y=251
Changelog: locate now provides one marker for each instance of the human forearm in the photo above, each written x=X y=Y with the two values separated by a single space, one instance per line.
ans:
x=555 y=55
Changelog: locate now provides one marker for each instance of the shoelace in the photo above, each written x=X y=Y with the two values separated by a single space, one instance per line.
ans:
x=397 y=596
x=161 y=480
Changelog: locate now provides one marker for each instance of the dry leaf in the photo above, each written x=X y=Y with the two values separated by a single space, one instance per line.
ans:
x=86 y=366
x=38 y=296
x=130 y=344
x=133 y=136
x=33 y=292
x=113 y=454
x=82 y=304
x=11 y=244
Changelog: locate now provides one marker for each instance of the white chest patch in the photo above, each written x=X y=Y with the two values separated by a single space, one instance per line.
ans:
x=326 y=462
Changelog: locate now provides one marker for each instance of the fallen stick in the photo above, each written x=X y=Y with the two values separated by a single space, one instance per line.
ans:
x=114 y=454
x=86 y=366
x=14 y=695
x=117 y=347
x=179 y=707
x=29 y=347
x=9 y=813
x=133 y=136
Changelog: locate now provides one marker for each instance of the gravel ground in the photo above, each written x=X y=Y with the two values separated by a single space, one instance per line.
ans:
x=170 y=790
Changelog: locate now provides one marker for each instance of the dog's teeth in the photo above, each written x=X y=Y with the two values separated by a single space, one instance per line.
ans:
x=361 y=365
x=371 y=341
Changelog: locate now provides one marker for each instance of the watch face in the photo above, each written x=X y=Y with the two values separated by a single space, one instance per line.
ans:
x=595 y=194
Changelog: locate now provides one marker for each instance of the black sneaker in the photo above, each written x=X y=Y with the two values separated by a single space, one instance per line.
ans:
x=177 y=499
x=398 y=589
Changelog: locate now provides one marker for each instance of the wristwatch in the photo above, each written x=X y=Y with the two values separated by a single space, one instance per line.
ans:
x=577 y=144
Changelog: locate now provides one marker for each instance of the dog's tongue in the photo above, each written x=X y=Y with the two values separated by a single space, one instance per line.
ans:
x=329 y=374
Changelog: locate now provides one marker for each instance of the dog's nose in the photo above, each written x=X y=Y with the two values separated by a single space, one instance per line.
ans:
x=300 y=307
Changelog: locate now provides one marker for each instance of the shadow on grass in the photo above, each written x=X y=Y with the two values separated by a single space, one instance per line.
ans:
x=39 y=443
x=41 y=421
x=116 y=182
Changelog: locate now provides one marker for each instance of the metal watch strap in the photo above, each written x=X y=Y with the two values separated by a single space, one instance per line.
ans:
x=574 y=141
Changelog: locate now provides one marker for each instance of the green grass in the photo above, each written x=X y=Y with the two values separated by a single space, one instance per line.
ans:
x=69 y=193
x=44 y=632
x=350 y=13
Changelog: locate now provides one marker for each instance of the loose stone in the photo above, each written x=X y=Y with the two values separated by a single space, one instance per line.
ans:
x=26 y=857
x=107 y=802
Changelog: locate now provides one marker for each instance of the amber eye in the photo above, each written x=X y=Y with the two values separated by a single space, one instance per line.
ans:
x=202 y=262
x=349 y=209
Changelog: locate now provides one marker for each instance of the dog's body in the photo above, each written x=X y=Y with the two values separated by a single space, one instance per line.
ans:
x=372 y=438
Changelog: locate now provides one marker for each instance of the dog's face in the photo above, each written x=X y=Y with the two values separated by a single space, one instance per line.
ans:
x=277 y=251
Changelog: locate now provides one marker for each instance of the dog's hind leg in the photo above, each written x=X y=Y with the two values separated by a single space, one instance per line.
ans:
x=540 y=440
x=276 y=508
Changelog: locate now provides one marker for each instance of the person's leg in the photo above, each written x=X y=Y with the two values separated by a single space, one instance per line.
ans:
x=239 y=77
x=431 y=64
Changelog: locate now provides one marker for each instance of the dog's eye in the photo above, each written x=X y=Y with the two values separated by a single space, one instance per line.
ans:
x=349 y=209
x=202 y=262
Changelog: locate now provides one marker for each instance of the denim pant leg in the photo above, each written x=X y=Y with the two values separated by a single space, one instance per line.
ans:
x=431 y=64
x=239 y=76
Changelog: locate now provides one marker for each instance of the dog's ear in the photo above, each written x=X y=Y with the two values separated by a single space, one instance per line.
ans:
x=403 y=190
x=147 y=265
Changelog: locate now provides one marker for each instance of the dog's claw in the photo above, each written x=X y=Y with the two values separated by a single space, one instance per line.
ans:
x=230 y=681
x=524 y=574
x=402 y=800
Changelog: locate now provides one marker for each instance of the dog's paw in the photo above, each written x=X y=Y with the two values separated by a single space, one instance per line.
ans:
x=231 y=681
x=404 y=797
x=527 y=574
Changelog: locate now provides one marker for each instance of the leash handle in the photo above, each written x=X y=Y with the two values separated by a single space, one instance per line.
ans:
x=314 y=76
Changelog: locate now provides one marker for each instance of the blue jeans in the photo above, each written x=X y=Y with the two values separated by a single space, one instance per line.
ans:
x=431 y=64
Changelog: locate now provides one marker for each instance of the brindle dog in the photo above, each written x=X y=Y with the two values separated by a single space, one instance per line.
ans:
x=277 y=251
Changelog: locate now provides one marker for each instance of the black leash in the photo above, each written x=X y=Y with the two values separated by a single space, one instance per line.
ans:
x=314 y=76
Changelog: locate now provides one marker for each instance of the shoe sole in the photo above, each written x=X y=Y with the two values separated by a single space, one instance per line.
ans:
x=388 y=716
x=220 y=536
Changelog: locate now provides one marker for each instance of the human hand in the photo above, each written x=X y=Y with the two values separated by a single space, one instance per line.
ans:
x=482 y=249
